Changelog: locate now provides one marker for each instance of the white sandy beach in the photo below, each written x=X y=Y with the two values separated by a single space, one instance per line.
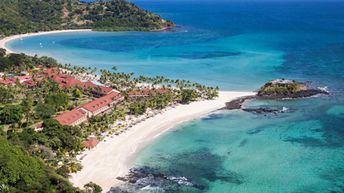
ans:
x=114 y=156
x=4 y=41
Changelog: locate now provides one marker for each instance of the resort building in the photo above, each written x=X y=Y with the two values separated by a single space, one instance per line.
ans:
x=72 y=118
x=93 y=108
x=97 y=90
x=67 y=81
x=103 y=104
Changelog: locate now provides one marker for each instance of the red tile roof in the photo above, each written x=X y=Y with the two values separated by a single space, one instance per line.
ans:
x=101 y=102
x=91 y=143
x=102 y=89
x=87 y=85
x=68 y=118
x=96 y=88
x=8 y=81
x=66 y=81
x=29 y=83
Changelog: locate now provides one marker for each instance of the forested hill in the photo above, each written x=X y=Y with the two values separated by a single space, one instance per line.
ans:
x=22 y=16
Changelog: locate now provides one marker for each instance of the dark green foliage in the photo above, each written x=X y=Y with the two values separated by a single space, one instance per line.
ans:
x=5 y=63
x=188 y=95
x=57 y=100
x=43 y=110
x=27 y=106
x=20 y=172
x=137 y=108
x=92 y=188
x=11 y=114
x=273 y=88
x=160 y=100
x=52 y=103
x=2 y=52
x=20 y=62
x=22 y=16
x=62 y=137
x=6 y=94
x=17 y=59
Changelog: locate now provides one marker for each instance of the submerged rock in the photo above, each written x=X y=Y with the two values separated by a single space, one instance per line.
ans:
x=264 y=110
x=147 y=179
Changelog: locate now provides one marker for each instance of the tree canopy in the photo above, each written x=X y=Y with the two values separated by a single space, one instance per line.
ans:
x=20 y=172
x=23 y=16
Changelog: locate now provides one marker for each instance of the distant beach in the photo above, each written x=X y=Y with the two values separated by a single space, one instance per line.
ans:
x=113 y=157
x=4 y=41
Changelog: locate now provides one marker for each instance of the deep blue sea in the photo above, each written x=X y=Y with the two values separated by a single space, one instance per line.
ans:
x=237 y=45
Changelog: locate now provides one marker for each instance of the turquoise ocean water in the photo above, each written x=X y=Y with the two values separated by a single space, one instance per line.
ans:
x=238 y=46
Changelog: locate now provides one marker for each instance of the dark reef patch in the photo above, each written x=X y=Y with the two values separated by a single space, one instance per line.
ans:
x=332 y=133
x=185 y=173
x=255 y=131
x=306 y=141
x=213 y=116
x=243 y=143
x=202 y=166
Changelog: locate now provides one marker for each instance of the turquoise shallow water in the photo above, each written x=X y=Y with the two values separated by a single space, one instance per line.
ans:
x=238 y=46
x=242 y=152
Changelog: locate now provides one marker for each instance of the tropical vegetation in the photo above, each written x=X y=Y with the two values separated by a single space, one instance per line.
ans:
x=23 y=16
x=29 y=130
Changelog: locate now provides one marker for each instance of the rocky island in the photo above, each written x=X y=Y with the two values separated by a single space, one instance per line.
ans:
x=277 y=89
x=283 y=88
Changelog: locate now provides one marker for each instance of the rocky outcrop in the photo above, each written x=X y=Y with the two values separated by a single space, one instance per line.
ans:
x=265 y=110
x=282 y=88
x=150 y=180
x=276 y=89
x=237 y=103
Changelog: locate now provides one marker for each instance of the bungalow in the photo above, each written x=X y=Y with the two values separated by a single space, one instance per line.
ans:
x=97 y=90
x=91 y=142
x=72 y=118
x=103 y=104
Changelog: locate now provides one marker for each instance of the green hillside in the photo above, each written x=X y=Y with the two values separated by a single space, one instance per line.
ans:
x=23 y=173
x=22 y=16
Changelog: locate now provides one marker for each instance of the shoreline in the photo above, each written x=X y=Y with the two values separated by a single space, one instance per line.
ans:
x=114 y=156
x=5 y=40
